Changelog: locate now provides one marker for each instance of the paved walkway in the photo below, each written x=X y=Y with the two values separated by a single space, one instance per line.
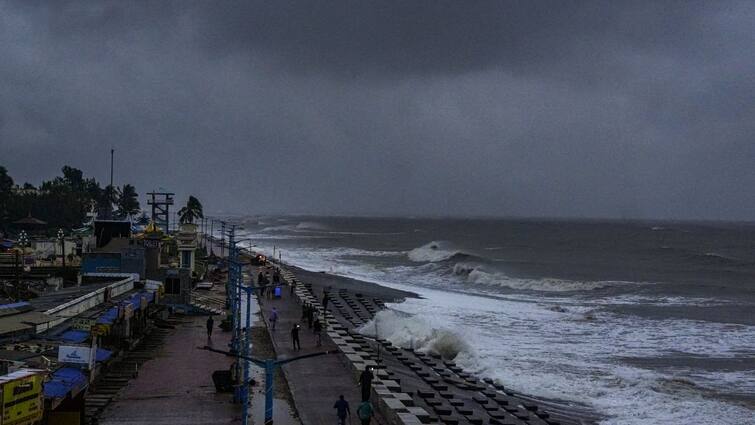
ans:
x=176 y=387
x=317 y=382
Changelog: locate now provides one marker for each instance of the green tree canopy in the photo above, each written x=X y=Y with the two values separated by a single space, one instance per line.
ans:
x=192 y=211
x=128 y=201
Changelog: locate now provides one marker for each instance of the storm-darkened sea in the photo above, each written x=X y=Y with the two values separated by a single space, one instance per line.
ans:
x=643 y=322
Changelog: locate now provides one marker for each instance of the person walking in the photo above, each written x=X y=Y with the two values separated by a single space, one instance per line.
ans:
x=295 y=337
x=325 y=299
x=317 y=328
x=311 y=316
x=365 y=412
x=365 y=380
x=210 y=325
x=342 y=410
x=274 y=317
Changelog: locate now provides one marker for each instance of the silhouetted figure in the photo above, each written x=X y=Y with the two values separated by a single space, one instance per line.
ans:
x=295 y=336
x=210 y=325
x=310 y=316
x=273 y=317
x=365 y=380
x=317 y=328
x=342 y=410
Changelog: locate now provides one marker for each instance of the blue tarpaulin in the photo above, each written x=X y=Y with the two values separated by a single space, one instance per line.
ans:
x=21 y=304
x=103 y=355
x=109 y=317
x=74 y=336
x=136 y=299
x=64 y=381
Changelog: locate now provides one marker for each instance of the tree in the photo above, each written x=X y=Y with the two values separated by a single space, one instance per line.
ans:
x=6 y=192
x=128 y=201
x=192 y=211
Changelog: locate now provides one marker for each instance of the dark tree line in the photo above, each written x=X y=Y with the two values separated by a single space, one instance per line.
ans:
x=63 y=201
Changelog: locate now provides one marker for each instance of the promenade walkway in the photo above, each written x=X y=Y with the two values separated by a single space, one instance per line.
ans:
x=315 y=383
x=176 y=387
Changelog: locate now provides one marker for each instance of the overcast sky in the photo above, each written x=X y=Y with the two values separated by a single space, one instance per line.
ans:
x=605 y=109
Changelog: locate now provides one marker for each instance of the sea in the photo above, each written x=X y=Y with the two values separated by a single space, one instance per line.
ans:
x=639 y=322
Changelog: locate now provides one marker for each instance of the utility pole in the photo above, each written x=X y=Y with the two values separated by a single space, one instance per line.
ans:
x=112 y=153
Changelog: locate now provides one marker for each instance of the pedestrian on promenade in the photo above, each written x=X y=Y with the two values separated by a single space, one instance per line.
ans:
x=295 y=337
x=260 y=279
x=210 y=325
x=365 y=412
x=304 y=309
x=365 y=380
x=292 y=286
x=325 y=299
x=311 y=316
x=274 y=317
x=317 y=327
x=342 y=410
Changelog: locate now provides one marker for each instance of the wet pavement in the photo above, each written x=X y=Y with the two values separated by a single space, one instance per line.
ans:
x=176 y=387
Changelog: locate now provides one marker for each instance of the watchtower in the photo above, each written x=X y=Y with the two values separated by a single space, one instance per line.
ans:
x=161 y=202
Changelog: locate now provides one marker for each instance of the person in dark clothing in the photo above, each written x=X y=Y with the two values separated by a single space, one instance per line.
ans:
x=325 y=299
x=317 y=328
x=260 y=279
x=210 y=325
x=311 y=316
x=295 y=336
x=365 y=380
x=342 y=410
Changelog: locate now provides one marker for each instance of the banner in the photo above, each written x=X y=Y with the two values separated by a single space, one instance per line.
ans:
x=76 y=354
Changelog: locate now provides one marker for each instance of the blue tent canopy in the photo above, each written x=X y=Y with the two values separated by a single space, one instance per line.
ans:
x=103 y=355
x=108 y=317
x=64 y=381
x=74 y=336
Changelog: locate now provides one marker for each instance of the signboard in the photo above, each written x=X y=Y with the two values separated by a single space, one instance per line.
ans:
x=22 y=398
x=76 y=354
x=82 y=324
x=100 y=329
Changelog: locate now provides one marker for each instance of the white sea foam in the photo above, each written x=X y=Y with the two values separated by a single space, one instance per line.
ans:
x=558 y=346
x=432 y=252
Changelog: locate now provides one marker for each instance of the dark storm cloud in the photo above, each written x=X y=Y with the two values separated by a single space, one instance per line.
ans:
x=622 y=109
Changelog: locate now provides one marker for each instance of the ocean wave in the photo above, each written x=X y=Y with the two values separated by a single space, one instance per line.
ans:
x=478 y=274
x=437 y=251
x=413 y=332
x=311 y=225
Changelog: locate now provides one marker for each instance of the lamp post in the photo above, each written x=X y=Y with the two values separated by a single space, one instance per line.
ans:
x=269 y=365
x=23 y=240
x=61 y=238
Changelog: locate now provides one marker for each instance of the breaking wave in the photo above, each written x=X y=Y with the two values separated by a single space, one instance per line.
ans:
x=478 y=274
x=412 y=332
x=437 y=251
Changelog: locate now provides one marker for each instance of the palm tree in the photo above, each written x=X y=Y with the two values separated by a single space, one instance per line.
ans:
x=192 y=211
x=128 y=201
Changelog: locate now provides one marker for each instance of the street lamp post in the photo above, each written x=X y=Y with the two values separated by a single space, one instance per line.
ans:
x=61 y=238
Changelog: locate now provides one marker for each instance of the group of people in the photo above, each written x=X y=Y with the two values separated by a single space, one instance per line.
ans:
x=365 y=410
x=269 y=284
x=311 y=315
